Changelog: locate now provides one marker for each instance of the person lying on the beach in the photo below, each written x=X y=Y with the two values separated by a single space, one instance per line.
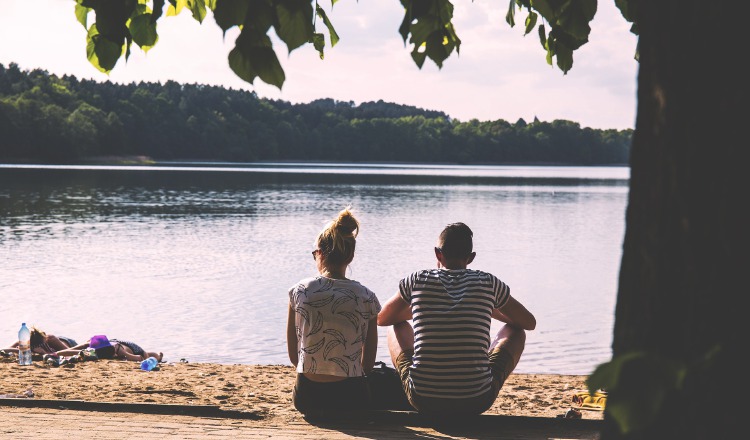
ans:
x=448 y=366
x=43 y=343
x=107 y=348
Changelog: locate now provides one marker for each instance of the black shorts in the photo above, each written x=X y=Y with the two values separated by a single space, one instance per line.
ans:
x=322 y=397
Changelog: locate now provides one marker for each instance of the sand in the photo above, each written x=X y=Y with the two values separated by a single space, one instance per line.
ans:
x=264 y=390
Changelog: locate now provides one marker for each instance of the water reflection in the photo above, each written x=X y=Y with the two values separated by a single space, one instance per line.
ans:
x=203 y=257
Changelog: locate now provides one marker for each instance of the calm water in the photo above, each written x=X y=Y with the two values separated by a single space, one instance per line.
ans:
x=196 y=261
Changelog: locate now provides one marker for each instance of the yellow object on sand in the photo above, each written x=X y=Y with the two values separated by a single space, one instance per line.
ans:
x=593 y=402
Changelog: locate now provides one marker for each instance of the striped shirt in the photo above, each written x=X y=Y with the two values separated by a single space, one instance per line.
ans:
x=451 y=312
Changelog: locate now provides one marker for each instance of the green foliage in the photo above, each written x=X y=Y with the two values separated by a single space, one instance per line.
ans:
x=119 y=23
x=143 y=30
x=643 y=387
x=427 y=26
x=253 y=56
x=45 y=118
x=568 y=21
x=642 y=383
x=331 y=31
x=294 y=26
x=229 y=13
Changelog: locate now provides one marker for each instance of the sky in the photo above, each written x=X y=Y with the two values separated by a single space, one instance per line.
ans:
x=498 y=74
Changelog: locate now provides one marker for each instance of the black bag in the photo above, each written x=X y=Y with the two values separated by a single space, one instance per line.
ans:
x=386 y=391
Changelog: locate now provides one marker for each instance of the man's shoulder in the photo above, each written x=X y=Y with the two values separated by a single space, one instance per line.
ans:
x=480 y=273
x=422 y=274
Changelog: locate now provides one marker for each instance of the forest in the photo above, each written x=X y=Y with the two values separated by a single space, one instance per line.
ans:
x=49 y=119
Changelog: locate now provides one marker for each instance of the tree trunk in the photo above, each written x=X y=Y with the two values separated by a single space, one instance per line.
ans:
x=686 y=241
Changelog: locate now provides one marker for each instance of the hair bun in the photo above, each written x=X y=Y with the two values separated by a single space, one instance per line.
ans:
x=346 y=223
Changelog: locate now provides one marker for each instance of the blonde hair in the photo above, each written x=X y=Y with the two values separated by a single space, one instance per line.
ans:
x=338 y=239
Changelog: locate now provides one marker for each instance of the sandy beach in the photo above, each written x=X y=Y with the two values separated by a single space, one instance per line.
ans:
x=263 y=390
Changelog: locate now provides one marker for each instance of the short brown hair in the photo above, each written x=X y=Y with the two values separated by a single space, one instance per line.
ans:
x=456 y=241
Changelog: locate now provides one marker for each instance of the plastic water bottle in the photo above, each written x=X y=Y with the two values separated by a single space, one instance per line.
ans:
x=149 y=364
x=24 y=345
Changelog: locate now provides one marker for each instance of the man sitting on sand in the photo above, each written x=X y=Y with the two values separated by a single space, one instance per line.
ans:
x=446 y=361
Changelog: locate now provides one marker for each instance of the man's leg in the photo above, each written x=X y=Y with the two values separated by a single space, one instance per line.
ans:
x=400 y=338
x=505 y=352
x=401 y=347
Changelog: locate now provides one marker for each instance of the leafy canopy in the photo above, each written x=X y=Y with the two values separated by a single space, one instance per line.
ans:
x=427 y=26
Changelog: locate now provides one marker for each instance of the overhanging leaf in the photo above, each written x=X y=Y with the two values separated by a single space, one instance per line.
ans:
x=198 y=8
x=546 y=10
x=331 y=31
x=253 y=57
x=260 y=16
x=575 y=21
x=418 y=56
x=100 y=51
x=143 y=30
x=229 y=13
x=542 y=36
x=111 y=18
x=422 y=29
x=175 y=7
x=319 y=43
x=439 y=48
x=530 y=22
x=82 y=13
x=294 y=22
x=510 y=16
x=564 y=57
x=158 y=10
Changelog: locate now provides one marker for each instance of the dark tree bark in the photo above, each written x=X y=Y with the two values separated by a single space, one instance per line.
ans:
x=681 y=292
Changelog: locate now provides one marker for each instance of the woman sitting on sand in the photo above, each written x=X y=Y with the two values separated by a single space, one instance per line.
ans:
x=43 y=343
x=112 y=349
x=332 y=333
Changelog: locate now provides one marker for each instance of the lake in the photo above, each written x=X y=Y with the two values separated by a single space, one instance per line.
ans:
x=195 y=259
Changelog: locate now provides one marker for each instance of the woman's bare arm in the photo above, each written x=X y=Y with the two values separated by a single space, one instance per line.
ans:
x=370 y=349
x=291 y=337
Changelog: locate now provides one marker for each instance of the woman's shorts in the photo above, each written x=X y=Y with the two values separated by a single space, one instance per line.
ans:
x=320 y=397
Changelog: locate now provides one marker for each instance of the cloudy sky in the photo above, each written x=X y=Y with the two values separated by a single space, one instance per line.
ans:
x=499 y=73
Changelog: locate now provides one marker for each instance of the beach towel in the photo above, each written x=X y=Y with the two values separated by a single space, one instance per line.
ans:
x=593 y=402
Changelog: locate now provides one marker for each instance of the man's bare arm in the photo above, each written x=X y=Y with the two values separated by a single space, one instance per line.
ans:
x=394 y=310
x=515 y=314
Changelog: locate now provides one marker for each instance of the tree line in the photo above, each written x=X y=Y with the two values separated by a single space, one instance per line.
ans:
x=50 y=119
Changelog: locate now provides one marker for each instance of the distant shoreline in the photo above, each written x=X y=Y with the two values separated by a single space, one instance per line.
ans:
x=141 y=160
